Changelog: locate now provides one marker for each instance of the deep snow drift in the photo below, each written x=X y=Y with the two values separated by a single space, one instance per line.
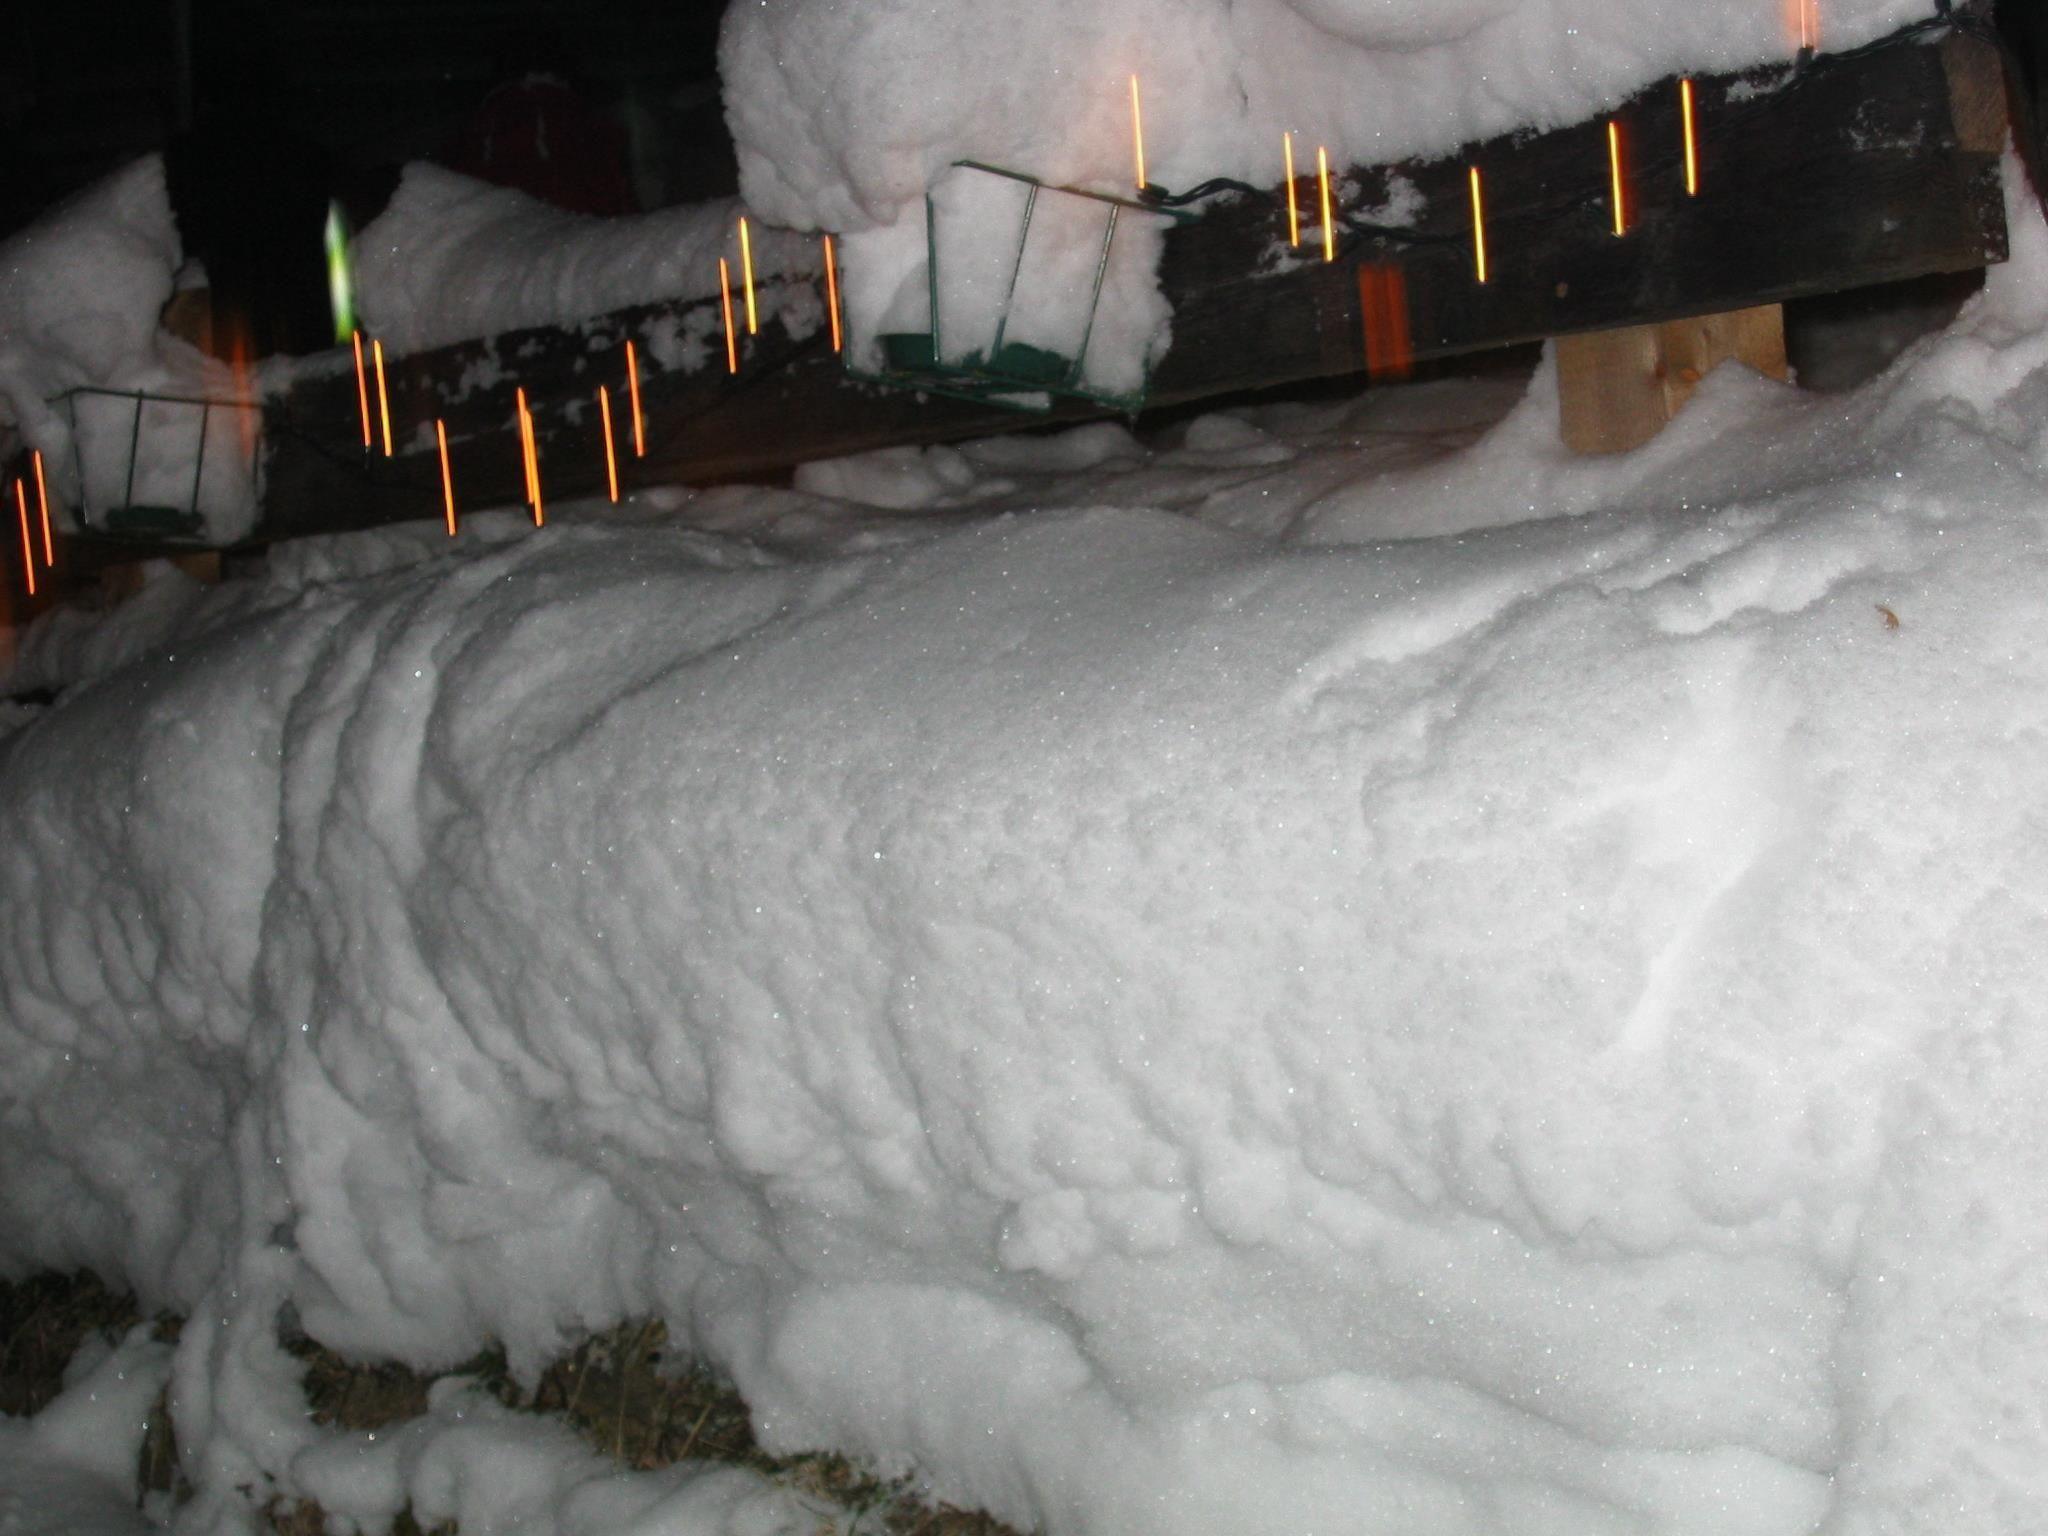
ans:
x=1349 y=970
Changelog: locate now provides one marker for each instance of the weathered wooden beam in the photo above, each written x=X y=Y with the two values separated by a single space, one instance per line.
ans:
x=1618 y=389
x=1821 y=175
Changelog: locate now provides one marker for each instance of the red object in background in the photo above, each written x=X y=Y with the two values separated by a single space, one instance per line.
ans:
x=539 y=136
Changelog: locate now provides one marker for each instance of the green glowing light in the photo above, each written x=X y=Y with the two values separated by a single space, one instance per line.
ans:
x=341 y=287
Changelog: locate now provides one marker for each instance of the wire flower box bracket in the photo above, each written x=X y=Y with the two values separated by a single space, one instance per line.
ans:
x=153 y=467
x=1011 y=322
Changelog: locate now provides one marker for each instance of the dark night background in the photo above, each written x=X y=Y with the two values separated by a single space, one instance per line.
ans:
x=87 y=85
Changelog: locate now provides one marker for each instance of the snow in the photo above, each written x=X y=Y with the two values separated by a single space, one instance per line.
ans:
x=451 y=258
x=473 y=1461
x=1344 y=966
x=1037 y=267
x=80 y=293
x=846 y=115
x=71 y=1470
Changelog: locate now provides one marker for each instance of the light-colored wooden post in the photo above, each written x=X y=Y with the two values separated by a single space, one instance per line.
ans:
x=1617 y=389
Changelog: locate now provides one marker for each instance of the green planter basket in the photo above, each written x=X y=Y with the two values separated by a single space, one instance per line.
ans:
x=1004 y=371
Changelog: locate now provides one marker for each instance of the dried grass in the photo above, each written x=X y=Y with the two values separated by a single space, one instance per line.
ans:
x=43 y=1321
x=631 y=1400
x=623 y=1391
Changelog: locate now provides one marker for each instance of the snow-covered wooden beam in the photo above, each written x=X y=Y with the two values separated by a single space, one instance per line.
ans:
x=1826 y=174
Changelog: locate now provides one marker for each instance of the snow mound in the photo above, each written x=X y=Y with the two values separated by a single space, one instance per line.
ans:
x=845 y=116
x=70 y=1471
x=452 y=258
x=81 y=290
x=1159 y=1023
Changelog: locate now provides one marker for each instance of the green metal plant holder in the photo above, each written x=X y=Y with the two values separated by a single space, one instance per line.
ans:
x=1004 y=371
x=128 y=464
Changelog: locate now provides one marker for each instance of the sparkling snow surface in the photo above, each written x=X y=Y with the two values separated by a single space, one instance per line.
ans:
x=1344 y=970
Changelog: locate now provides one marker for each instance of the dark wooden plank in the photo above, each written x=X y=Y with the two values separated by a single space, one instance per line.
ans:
x=1817 y=176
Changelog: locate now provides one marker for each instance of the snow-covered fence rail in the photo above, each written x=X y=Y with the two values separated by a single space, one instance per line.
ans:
x=1820 y=175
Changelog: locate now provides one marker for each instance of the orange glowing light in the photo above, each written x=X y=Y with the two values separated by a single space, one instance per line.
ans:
x=240 y=367
x=611 y=458
x=529 y=451
x=1614 y=177
x=28 y=548
x=1329 y=224
x=633 y=388
x=1802 y=23
x=832 y=297
x=363 y=390
x=43 y=505
x=1383 y=299
x=1293 y=198
x=525 y=443
x=383 y=399
x=747 y=273
x=447 y=475
x=1692 y=152
x=1478 y=227
x=1138 y=132
x=732 y=344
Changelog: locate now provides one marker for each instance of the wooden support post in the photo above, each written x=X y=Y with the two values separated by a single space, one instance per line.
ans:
x=1616 y=389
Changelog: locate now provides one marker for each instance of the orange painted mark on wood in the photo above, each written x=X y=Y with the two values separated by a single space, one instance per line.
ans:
x=1383 y=299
